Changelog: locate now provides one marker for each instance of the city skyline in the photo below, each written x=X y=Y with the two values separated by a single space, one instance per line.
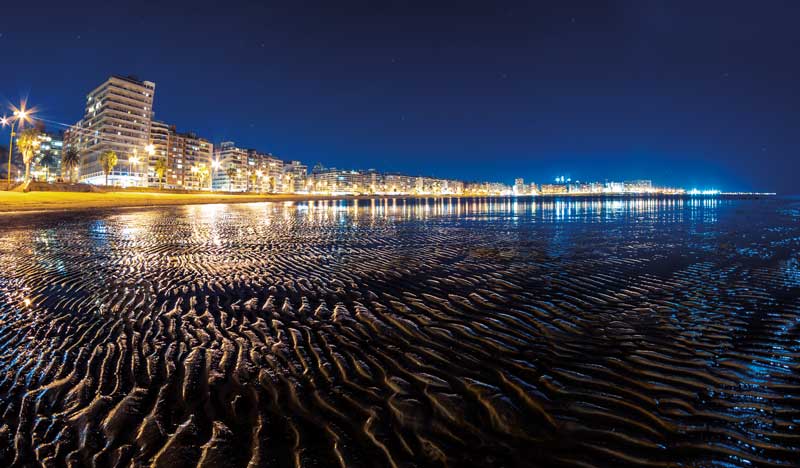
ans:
x=120 y=115
x=623 y=102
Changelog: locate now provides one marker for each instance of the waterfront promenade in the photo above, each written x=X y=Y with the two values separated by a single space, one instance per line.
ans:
x=42 y=201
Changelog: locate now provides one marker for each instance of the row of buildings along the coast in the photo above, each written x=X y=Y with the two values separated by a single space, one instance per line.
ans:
x=119 y=117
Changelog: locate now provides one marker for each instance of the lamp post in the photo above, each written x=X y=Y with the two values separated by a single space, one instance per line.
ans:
x=20 y=115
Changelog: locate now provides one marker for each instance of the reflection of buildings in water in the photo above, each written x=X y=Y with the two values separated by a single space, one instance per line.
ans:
x=590 y=210
x=537 y=210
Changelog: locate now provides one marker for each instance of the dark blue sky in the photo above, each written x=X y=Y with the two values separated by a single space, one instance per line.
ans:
x=686 y=93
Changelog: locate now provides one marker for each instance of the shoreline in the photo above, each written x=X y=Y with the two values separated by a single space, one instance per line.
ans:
x=49 y=201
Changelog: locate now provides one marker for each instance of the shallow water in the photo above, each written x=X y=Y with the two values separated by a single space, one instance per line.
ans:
x=473 y=332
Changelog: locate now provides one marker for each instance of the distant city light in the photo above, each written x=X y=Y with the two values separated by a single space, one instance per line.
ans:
x=703 y=192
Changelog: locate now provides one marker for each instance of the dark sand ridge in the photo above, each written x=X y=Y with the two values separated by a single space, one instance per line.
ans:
x=488 y=335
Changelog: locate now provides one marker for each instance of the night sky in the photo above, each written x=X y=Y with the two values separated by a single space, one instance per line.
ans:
x=689 y=93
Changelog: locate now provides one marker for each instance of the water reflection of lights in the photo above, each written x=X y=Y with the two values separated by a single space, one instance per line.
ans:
x=589 y=210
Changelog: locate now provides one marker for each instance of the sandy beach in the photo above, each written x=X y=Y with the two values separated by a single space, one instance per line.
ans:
x=402 y=332
x=63 y=201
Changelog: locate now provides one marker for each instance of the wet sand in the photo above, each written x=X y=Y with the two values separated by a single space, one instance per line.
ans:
x=403 y=333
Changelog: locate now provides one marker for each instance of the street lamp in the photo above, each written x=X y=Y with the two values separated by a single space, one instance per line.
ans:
x=20 y=115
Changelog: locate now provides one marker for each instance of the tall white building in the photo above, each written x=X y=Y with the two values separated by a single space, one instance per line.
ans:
x=118 y=117
x=519 y=187
x=295 y=175
x=234 y=169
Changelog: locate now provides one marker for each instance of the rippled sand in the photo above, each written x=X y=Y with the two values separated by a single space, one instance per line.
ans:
x=403 y=333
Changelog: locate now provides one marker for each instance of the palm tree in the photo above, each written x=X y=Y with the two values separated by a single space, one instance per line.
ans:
x=231 y=173
x=27 y=143
x=70 y=159
x=161 y=169
x=108 y=160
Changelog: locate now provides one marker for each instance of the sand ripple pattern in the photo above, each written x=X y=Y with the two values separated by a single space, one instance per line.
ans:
x=403 y=333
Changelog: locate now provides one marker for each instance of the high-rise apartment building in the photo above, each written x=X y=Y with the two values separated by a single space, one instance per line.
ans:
x=519 y=187
x=295 y=175
x=243 y=170
x=232 y=174
x=184 y=156
x=266 y=172
x=190 y=159
x=47 y=158
x=159 y=138
x=117 y=118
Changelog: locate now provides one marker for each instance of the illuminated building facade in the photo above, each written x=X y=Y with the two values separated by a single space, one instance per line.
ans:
x=190 y=155
x=265 y=173
x=553 y=189
x=638 y=186
x=295 y=177
x=159 y=138
x=234 y=168
x=47 y=158
x=520 y=188
x=117 y=118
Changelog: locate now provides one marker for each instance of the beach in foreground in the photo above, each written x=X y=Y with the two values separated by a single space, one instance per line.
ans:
x=402 y=333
